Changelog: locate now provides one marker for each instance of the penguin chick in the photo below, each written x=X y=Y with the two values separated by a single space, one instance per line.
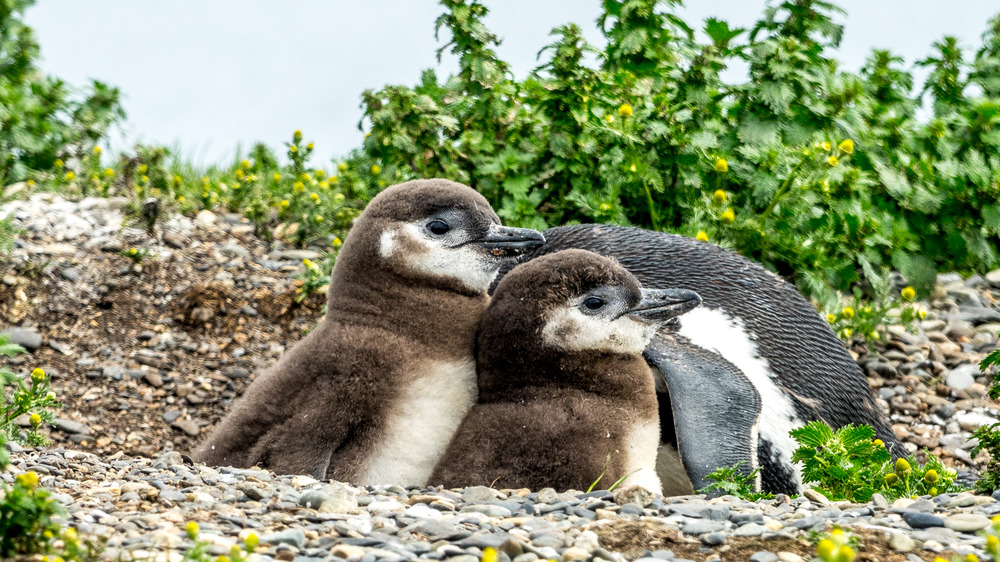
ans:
x=374 y=393
x=564 y=392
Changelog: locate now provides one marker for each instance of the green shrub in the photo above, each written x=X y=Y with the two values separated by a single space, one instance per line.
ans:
x=42 y=120
x=729 y=480
x=988 y=436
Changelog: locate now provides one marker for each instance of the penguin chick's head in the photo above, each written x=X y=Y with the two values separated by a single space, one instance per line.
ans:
x=576 y=300
x=439 y=231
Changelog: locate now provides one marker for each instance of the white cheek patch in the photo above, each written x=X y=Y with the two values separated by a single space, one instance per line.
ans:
x=473 y=269
x=570 y=329
x=714 y=330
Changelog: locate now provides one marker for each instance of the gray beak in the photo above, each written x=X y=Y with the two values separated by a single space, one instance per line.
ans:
x=507 y=241
x=661 y=305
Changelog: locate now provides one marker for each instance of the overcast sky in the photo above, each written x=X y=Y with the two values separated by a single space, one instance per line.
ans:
x=206 y=75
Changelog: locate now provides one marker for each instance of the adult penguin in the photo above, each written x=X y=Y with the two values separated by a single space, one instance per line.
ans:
x=375 y=392
x=754 y=334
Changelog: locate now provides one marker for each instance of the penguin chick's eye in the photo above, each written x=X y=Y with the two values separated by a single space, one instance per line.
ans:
x=438 y=227
x=594 y=303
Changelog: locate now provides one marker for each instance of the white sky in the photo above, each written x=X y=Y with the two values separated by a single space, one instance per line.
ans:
x=206 y=75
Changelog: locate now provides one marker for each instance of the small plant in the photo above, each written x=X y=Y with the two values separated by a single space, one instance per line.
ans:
x=992 y=533
x=312 y=278
x=20 y=398
x=864 y=320
x=604 y=471
x=729 y=480
x=850 y=464
x=989 y=435
x=26 y=517
x=138 y=255
x=836 y=546
x=199 y=551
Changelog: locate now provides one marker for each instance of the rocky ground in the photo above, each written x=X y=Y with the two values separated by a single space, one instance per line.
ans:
x=147 y=357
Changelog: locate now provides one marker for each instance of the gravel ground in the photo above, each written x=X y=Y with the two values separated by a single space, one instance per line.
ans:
x=147 y=357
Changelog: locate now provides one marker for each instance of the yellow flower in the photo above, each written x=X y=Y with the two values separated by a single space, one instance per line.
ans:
x=334 y=180
x=250 y=543
x=908 y=294
x=728 y=216
x=632 y=168
x=299 y=187
x=293 y=149
x=59 y=163
x=932 y=492
x=833 y=160
x=221 y=558
x=324 y=185
x=902 y=467
x=846 y=146
x=874 y=335
x=28 y=479
x=70 y=175
x=376 y=169
x=239 y=174
x=721 y=165
x=342 y=167
x=992 y=544
x=845 y=554
x=970 y=557
x=489 y=554
x=337 y=242
x=719 y=197
x=177 y=180
x=891 y=479
x=97 y=150
x=878 y=443
x=931 y=476
x=848 y=332
x=192 y=530
x=825 y=549
x=284 y=204
x=297 y=135
x=338 y=196
x=831 y=318
x=702 y=235
x=143 y=169
x=70 y=534
x=37 y=375
x=35 y=420
x=276 y=177
x=307 y=262
x=181 y=199
x=144 y=179
x=50 y=395
x=314 y=196
x=320 y=174
x=309 y=146
x=848 y=312
x=625 y=110
x=318 y=218
x=31 y=183
x=605 y=207
x=826 y=145
x=609 y=118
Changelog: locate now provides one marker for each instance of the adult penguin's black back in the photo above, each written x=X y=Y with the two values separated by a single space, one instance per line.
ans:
x=756 y=321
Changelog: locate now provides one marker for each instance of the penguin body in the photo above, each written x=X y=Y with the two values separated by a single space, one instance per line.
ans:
x=765 y=337
x=565 y=397
x=374 y=393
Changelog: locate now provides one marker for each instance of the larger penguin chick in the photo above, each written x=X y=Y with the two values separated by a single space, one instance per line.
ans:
x=375 y=392
x=564 y=393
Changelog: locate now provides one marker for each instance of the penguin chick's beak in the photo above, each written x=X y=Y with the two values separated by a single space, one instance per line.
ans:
x=658 y=306
x=507 y=241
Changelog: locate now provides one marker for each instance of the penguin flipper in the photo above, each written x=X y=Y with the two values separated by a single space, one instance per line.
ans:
x=715 y=407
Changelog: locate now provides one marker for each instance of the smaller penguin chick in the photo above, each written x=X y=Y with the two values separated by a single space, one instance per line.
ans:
x=564 y=392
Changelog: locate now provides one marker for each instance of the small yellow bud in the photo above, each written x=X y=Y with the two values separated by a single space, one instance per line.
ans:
x=299 y=187
x=719 y=197
x=324 y=185
x=721 y=165
x=97 y=150
x=992 y=543
x=35 y=420
x=276 y=177
x=59 y=163
x=845 y=554
x=932 y=492
x=908 y=294
x=70 y=534
x=239 y=174
x=320 y=174
x=334 y=180
x=728 y=216
x=284 y=204
x=338 y=196
x=144 y=179
x=293 y=149
x=931 y=476
x=314 y=196
x=376 y=169
x=970 y=557
x=878 y=443
x=632 y=168
x=702 y=235
x=846 y=146
x=297 y=135
x=826 y=145
x=921 y=314
x=891 y=479
x=605 y=207
x=337 y=242
x=609 y=118
x=833 y=160
x=342 y=167
x=848 y=332
x=192 y=530
x=625 y=110
x=108 y=172
x=245 y=164
x=848 y=312
x=50 y=395
x=37 y=375
x=489 y=554
x=902 y=467
x=31 y=183
x=307 y=262
x=143 y=168
x=318 y=218
x=181 y=199
x=250 y=543
x=309 y=146
x=831 y=318
x=70 y=175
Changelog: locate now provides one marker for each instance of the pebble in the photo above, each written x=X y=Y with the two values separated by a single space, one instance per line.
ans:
x=28 y=338
x=920 y=520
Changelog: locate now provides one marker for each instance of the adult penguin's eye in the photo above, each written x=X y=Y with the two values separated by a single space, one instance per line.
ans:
x=594 y=303
x=438 y=227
